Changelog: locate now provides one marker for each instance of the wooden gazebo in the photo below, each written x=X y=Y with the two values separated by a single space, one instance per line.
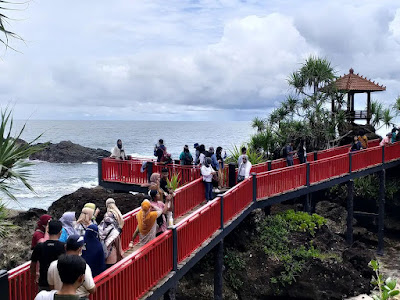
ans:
x=353 y=83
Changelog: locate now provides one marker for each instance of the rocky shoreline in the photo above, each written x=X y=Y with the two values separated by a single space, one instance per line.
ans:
x=67 y=152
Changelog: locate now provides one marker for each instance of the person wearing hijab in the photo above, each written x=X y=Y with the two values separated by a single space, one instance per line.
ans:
x=207 y=172
x=68 y=221
x=40 y=230
x=109 y=234
x=85 y=219
x=155 y=180
x=244 y=169
x=111 y=207
x=93 y=251
x=147 y=225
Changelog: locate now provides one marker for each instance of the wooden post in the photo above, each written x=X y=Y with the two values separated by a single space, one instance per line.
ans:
x=4 y=284
x=350 y=212
x=232 y=174
x=308 y=200
x=218 y=270
x=368 y=107
x=254 y=175
x=381 y=221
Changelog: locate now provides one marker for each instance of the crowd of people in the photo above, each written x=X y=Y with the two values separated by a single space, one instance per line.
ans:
x=94 y=247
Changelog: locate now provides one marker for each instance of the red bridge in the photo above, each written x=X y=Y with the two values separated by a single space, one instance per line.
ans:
x=155 y=268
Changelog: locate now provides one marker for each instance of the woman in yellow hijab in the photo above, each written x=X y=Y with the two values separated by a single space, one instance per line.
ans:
x=147 y=226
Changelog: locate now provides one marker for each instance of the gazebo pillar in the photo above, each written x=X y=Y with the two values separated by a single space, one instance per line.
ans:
x=368 y=107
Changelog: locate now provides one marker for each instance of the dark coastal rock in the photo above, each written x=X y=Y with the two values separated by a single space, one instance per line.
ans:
x=357 y=129
x=126 y=202
x=68 y=152
x=335 y=215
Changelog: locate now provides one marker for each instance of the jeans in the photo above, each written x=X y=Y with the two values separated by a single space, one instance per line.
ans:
x=208 y=188
x=289 y=161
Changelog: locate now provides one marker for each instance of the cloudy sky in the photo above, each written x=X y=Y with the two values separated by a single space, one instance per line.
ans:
x=187 y=60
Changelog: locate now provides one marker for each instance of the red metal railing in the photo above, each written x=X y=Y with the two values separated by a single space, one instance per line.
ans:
x=198 y=227
x=185 y=174
x=373 y=143
x=392 y=151
x=278 y=164
x=133 y=276
x=188 y=197
x=281 y=180
x=333 y=152
x=129 y=228
x=125 y=171
x=366 y=158
x=21 y=284
x=329 y=167
x=236 y=199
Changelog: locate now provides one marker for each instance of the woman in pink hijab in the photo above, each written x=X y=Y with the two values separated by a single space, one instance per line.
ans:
x=40 y=229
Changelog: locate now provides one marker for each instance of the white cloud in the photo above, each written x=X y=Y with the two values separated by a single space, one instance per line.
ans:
x=188 y=60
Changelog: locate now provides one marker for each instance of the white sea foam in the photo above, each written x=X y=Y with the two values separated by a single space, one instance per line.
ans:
x=89 y=163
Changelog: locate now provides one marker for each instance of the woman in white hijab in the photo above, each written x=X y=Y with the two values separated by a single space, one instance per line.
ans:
x=111 y=207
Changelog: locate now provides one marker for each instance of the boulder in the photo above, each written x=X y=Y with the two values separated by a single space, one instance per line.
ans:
x=68 y=152
x=335 y=215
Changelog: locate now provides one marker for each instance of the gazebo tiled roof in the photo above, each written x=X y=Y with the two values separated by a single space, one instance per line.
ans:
x=355 y=82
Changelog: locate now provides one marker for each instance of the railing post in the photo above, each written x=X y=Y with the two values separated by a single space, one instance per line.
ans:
x=254 y=175
x=174 y=249
x=222 y=211
x=383 y=154
x=350 y=212
x=218 y=270
x=315 y=155
x=100 y=170
x=5 y=293
x=381 y=222
x=269 y=165
x=232 y=174
x=350 y=161
x=307 y=204
x=149 y=167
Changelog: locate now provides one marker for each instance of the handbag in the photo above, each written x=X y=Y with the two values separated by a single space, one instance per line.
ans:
x=240 y=178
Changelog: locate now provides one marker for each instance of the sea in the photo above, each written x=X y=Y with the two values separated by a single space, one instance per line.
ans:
x=50 y=181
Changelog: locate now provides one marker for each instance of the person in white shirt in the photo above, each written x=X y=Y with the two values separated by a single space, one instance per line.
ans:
x=72 y=273
x=207 y=172
x=244 y=169
x=240 y=158
x=118 y=151
x=74 y=246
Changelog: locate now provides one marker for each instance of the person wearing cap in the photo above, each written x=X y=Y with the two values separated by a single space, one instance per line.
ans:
x=74 y=246
x=93 y=251
x=118 y=152
x=46 y=252
x=186 y=158
x=197 y=154
x=147 y=226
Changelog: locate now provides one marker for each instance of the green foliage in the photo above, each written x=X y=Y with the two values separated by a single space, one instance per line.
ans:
x=386 y=288
x=367 y=187
x=234 y=264
x=7 y=34
x=254 y=156
x=173 y=184
x=14 y=165
x=381 y=116
x=275 y=234
x=4 y=224
x=302 y=221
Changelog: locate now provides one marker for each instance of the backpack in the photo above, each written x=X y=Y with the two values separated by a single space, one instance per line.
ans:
x=188 y=159
x=284 y=151
x=106 y=251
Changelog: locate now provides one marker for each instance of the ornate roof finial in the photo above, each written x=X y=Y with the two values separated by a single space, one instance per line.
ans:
x=351 y=71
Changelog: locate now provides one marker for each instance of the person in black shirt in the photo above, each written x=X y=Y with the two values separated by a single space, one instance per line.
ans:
x=163 y=181
x=45 y=253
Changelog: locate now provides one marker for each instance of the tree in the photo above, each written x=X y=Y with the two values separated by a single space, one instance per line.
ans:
x=14 y=164
x=303 y=114
x=6 y=33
